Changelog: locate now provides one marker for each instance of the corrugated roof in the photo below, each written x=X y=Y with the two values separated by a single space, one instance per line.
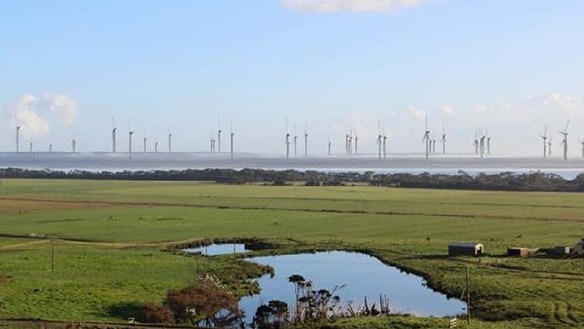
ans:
x=465 y=244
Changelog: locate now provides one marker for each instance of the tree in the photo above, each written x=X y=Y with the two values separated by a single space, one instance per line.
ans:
x=206 y=302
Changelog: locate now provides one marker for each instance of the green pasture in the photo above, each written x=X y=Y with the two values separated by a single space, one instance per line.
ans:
x=111 y=240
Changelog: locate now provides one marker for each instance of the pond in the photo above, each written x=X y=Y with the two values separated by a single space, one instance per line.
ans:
x=218 y=249
x=361 y=276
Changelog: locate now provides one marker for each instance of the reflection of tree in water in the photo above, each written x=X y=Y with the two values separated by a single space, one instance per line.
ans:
x=312 y=306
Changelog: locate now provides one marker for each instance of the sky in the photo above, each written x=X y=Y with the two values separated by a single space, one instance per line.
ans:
x=71 y=69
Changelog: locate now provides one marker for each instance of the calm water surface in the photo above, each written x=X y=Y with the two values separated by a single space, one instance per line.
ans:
x=362 y=275
x=218 y=249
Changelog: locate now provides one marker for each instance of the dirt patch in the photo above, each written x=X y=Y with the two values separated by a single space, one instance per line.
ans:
x=22 y=207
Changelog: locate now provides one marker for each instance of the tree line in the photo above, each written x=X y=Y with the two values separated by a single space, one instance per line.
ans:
x=505 y=181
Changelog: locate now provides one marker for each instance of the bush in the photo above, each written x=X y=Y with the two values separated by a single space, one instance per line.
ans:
x=155 y=313
x=205 y=302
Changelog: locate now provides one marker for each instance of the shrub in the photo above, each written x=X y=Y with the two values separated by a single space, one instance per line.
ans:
x=155 y=313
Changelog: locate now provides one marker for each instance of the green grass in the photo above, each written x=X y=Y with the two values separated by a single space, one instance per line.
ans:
x=123 y=226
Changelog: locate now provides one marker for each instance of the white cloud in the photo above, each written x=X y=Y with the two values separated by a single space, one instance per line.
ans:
x=415 y=113
x=23 y=113
x=446 y=110
x=35 y=115
x=329 y=6
x=62 y=106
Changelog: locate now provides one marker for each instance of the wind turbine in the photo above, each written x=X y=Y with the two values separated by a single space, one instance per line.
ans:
x=232 y=134
x=155 y=146
x=306 y=140
x=346 y=143
x=17 y=139
x=219 y=137
x=384 y=145
x=73 y=145
x=565 y=140
x=482 y=144
x=379 y=139
x=145 y=141
x=426 y=139
x=114 y=130
x=443 y=139
x=295 y=142
x=169 y=142
x=544 y=138
x=330 y=145
x=287 y=141
x=356 y=143
x=130 y=133
x=30 y=147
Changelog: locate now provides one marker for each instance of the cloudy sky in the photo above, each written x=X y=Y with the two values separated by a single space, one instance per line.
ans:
x=69 y=67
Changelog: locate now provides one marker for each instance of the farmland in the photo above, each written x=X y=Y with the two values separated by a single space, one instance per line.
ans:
x=80 y=250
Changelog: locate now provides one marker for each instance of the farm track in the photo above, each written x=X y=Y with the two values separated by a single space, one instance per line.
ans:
x=336 y=211
x=493 y=204
x=88 y=242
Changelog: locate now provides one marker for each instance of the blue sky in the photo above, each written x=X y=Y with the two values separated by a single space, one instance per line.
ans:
x=509 y=67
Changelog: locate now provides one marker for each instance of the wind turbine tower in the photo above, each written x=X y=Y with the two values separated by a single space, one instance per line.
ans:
x=30 y=149
x=306 y=140
x=219 y=138
x=169 y=142
x=130 y=133
x=550 y=147
x=565 y=140
x=50 y=147
x=155 y=146
x=232 y=135
x=330 y=145
x=114 y=130
x=73 y=145
x=356 y=144
x=384 y=145
x=426 y=139
x=295 y=142
x=443 y=139
x=145 y=141
x=482 y=144
x=544 y=138
x=379 y=139
x=17 y=139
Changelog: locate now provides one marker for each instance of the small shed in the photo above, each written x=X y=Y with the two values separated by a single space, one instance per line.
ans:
x=465 y=249
x=561 y=250
x=521 y=252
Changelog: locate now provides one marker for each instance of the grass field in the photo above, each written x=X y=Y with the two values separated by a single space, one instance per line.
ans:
x=111 y=236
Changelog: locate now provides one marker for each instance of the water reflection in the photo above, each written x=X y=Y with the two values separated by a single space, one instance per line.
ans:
x=218 y=249
x=362 y=276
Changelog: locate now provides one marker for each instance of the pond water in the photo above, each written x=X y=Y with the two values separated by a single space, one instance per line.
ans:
x=362 y=276
x=218 y=249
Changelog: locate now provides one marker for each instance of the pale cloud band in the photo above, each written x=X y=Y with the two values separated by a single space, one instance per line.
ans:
x=35 y=114
x=331 y=6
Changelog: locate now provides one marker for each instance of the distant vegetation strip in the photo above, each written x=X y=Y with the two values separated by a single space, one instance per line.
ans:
x=505 y=181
